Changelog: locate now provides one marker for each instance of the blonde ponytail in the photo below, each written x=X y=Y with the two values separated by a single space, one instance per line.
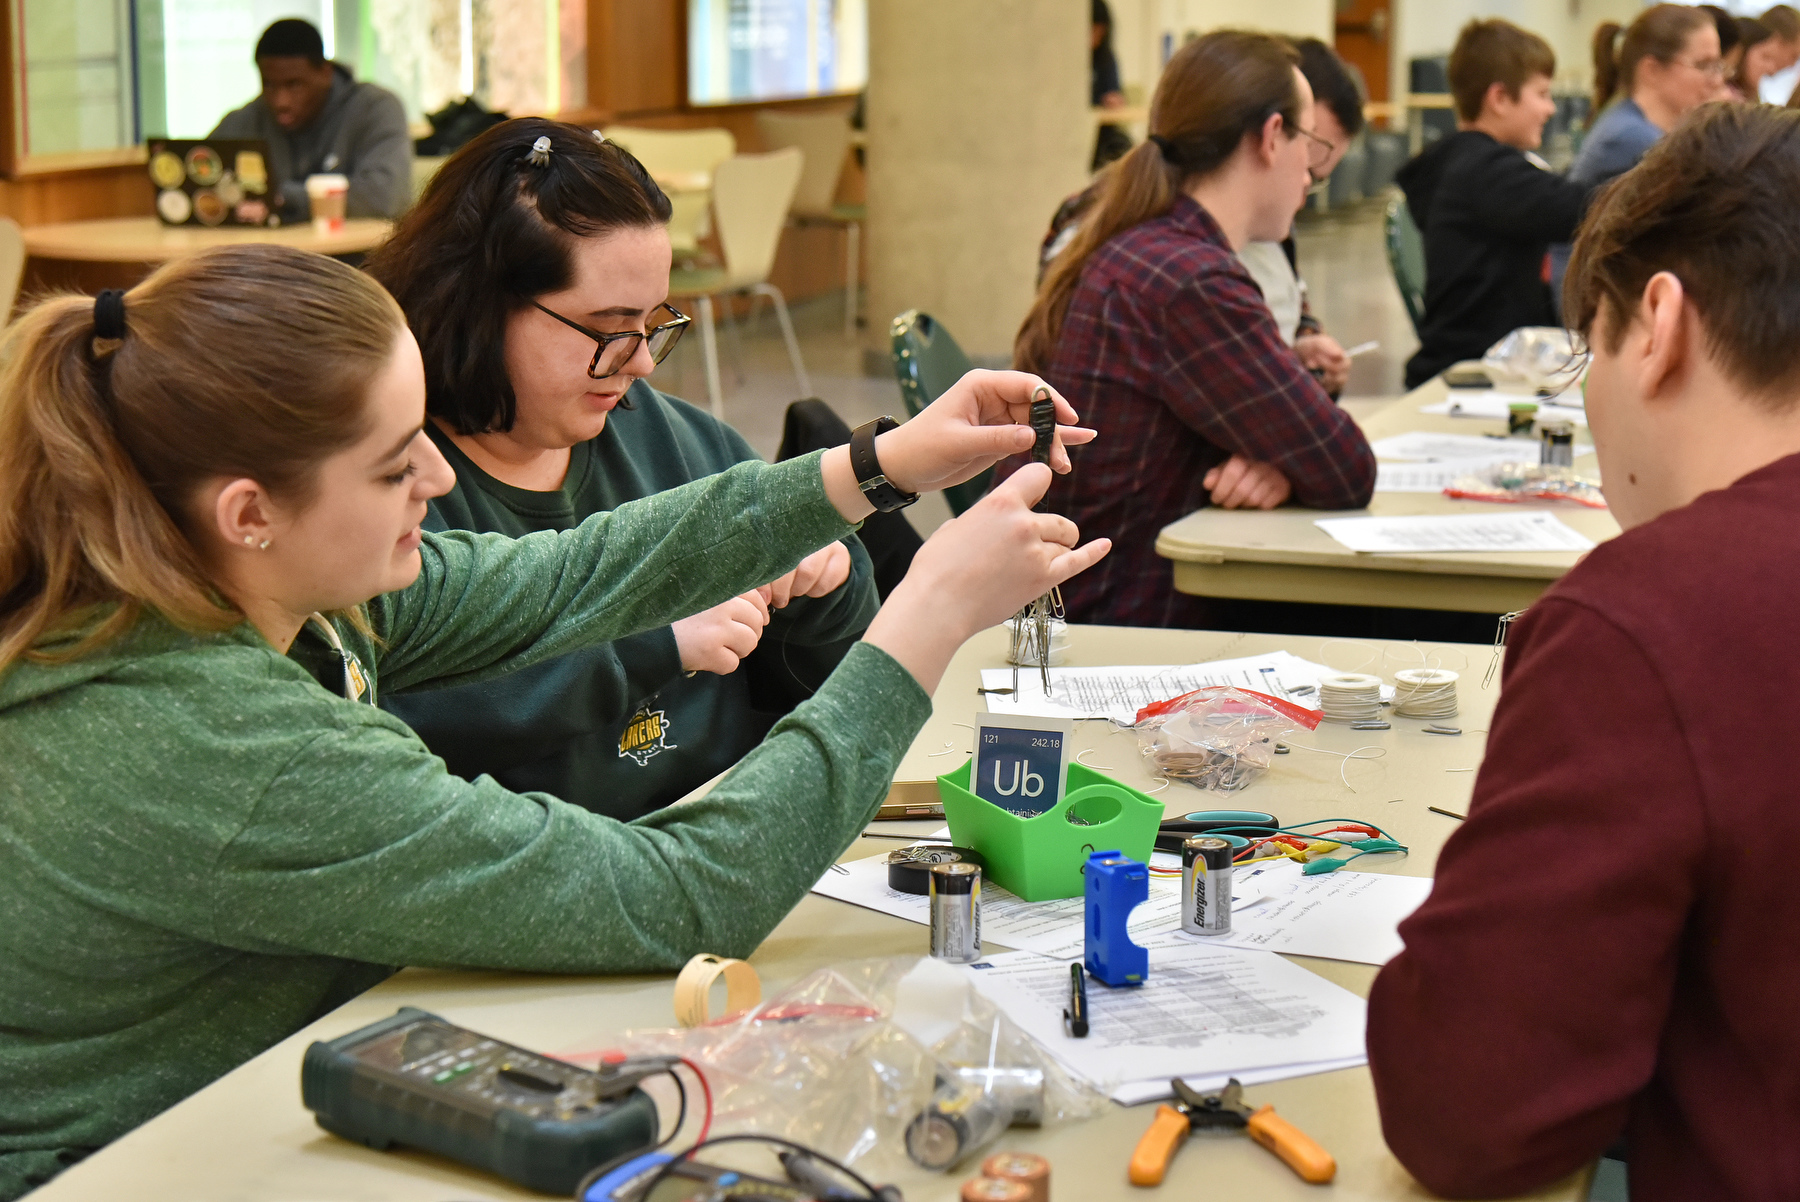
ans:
x=245 y=361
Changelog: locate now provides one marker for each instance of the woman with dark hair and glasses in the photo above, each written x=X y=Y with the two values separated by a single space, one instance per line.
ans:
x=534 y=272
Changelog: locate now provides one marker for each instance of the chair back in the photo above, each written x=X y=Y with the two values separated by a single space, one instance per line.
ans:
x=679 y=152
x=824 y=138
x=12 y=266
x=1406 y=259
x=424 y=166
x=751 y=195
x=927 y=361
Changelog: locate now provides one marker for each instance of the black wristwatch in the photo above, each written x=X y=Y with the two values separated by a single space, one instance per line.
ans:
x=875 y=486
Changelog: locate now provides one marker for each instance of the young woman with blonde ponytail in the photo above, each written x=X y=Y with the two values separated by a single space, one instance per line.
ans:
x=1652 y=74
x=1152 y=325
x=211 y=490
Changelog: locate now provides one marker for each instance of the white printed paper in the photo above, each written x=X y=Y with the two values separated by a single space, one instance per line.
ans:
x=1133 y=1092
x=1119 y=692
x=1425 y=477
x=1342 y=915
x=1203 y=1012
x=1519 y=530
x=1337 y=916
x=1424 y=446
x=1047 y=928
x=1495 y=405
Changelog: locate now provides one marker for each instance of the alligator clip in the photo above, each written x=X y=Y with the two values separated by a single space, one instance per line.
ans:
x=1227 y=1110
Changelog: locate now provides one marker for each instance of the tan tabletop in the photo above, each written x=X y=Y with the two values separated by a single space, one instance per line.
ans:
x=147 y=240
x=247 y=1136
x=1125 y=114
x=1279 y=555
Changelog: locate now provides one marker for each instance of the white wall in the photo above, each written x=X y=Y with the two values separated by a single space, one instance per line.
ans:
x=1139 y=26
x=978 y=128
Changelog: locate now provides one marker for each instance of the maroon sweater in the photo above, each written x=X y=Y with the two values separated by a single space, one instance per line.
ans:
x=1609 y=946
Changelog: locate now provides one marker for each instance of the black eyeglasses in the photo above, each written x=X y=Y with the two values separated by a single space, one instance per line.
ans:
x=616 y=350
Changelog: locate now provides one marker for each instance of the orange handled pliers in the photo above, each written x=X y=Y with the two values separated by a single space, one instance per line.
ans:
x=1225 y=1109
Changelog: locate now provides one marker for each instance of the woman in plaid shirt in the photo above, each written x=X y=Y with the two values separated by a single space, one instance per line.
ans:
x=1152 y=328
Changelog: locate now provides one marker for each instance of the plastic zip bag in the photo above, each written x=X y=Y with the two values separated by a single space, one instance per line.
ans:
x=1218 y=737
x=872 y=1059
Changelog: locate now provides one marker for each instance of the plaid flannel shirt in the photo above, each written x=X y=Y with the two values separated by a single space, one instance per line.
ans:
x=1169 y=351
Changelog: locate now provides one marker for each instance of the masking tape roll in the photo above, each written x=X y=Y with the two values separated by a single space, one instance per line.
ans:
x=743 y=988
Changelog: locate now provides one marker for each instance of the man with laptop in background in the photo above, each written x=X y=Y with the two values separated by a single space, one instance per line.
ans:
x=317 y=120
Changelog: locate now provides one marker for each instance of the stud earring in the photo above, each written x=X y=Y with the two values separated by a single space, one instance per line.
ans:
x=263 y=546
x=249 y=540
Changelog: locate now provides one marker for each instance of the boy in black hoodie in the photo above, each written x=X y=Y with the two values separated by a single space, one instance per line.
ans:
x=1487 y=209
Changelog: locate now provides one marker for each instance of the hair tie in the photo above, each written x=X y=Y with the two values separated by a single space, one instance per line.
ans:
x=109 y=314
x=540 y=152
x=598 y=136
x=1170 y=152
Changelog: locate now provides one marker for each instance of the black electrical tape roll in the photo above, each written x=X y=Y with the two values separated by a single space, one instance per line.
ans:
x=909 y=869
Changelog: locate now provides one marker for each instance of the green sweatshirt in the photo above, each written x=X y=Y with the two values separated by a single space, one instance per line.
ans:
x=619 y=728
x=202 y=849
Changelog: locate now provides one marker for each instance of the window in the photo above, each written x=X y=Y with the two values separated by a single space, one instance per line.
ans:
x=749 y=50
x=72 y=78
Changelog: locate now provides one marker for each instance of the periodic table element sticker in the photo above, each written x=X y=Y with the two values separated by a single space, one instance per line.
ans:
x=1021 y=762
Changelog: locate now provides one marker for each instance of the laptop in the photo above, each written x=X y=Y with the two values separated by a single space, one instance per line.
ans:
x=212 y=181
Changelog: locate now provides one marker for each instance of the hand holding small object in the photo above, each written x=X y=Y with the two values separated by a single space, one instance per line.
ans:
x=718 y=639
x=818 y=575
x=978 y=421
x=976 y=571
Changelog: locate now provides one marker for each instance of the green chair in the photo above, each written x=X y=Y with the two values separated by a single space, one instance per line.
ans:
x=1406 y=258
x=926 y=362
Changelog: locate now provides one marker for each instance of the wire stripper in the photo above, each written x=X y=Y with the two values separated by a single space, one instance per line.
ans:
x=1225 y=1110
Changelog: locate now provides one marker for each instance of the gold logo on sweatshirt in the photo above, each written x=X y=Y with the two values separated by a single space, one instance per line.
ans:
x=646 y=734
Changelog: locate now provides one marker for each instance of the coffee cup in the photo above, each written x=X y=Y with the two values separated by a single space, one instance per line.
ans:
x=328 y=195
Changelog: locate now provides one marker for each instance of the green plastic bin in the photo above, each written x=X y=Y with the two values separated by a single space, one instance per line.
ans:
x=1040 y=858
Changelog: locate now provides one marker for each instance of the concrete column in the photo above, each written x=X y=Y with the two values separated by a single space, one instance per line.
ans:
x=978 y=128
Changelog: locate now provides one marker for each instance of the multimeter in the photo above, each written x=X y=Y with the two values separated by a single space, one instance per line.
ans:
x=421 y=1082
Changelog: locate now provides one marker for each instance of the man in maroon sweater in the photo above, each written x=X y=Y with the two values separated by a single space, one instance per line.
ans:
x=1607 y=948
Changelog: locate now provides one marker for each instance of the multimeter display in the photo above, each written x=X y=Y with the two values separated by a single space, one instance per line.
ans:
x=419 y=1081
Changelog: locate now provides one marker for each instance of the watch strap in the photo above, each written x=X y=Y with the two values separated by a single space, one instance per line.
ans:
x=874 y=484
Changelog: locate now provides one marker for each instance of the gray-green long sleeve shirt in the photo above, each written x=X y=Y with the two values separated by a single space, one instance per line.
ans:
x=202 y=849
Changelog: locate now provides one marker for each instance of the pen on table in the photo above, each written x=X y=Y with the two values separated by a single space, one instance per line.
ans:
x=1447 y=813
x=1076 y=1016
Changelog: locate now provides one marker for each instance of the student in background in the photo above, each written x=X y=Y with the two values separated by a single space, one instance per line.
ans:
x=1729 y=50
x=1488 y=211
x=1659 y=70
x=211 y=835
x=1779 y=86
x=1111 y=142
x=1759 y=55
x=507 y=247
x=1602 y=952
x=1337 y=117
x=318 y=120
x=1149 y=321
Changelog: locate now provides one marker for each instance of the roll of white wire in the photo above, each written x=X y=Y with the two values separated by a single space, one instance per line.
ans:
x=1425 y=693
x=1350 y=697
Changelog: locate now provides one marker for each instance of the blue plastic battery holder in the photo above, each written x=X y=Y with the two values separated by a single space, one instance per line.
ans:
x=1115 y=886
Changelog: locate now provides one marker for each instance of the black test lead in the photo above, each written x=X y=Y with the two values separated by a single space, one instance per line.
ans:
x=1076 y=1016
